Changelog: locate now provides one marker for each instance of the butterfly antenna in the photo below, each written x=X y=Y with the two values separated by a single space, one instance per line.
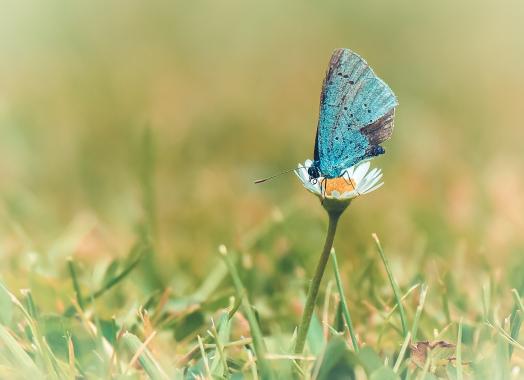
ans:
x=276 y=175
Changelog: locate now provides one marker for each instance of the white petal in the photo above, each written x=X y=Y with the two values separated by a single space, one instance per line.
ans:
x=366 y=189
x=372 y=176
x=349 y=194
x=302 y=179
x=377 y=173
x=308 y=186
x=373 y=172
x=370 y=181
x=374 y=188
x=316 y=186
x=303 y=175
x=361 y=171
x=351 y=171
x=378 y=177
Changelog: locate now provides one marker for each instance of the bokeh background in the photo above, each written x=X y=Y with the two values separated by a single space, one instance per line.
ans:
x=116 y=112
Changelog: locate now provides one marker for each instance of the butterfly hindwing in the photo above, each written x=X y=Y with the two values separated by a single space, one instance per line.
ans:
x=356 y=113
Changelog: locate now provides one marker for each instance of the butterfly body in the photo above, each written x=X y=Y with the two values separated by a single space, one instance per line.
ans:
x=356 y=115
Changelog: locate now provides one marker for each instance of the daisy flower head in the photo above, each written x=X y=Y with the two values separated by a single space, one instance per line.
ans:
x=353 y=181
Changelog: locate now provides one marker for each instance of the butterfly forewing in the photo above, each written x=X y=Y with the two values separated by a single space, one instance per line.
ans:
x=356 y=113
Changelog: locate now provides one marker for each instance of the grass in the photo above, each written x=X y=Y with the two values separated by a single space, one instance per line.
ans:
x=123 y=319
x=343 y=302
x=129 y=140
x=122 y=323
x=217 y=332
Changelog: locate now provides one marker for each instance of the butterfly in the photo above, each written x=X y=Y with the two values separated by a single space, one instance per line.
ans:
x=356 y=115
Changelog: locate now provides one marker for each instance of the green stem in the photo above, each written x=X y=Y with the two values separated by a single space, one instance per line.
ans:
x=315 y=283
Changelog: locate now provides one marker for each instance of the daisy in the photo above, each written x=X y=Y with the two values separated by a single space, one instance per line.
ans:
x=335 y=196
x=354 y=181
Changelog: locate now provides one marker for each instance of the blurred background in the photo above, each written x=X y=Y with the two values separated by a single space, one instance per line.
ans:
x=116 y=112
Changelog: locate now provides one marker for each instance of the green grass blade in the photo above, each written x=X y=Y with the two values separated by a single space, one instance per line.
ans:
x=486 y=302
x=219 y=365
x=515 y=319
x=394 y=286
x=76 y=284
x=402 y=352
x=146 y=359
x=345 y=309
x=418 y=313
x=258 y=340
x=19 y=359
x=32 y=317
x=458 y=354
x=6 y=306
x=115 y=280
x=148 y=227
x=147 y=172
x=139 y=250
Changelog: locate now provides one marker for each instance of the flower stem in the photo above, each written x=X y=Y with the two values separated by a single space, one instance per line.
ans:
x=315 y=283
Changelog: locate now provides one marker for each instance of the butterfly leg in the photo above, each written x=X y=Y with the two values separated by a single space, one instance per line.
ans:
x=349 y=181
x=323 y=188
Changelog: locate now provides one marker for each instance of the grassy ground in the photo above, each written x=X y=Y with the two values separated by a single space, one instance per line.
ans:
x=102 y=321
x=130 y=135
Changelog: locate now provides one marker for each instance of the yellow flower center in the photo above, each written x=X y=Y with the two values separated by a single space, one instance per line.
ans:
x=339 y=184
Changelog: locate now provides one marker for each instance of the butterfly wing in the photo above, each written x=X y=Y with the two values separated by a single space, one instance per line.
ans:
x=356 y=113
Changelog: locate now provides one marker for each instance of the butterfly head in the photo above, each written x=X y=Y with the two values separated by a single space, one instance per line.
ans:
x=314 y=172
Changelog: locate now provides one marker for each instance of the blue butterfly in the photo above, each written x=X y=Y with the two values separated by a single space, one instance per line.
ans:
x=356 y=116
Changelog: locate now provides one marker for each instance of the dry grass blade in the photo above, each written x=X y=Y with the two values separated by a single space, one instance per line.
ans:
x=144 y=356
x=19 y=359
